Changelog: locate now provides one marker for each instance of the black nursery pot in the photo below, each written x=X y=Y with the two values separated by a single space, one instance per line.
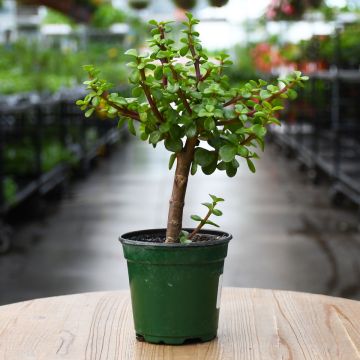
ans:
x=175 y=288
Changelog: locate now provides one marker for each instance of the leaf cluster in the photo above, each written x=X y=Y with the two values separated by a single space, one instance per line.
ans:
x=185 y=237
x=179 y=94
x=211 y=206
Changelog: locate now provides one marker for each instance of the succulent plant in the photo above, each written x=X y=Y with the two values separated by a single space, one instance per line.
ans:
x=183 y=100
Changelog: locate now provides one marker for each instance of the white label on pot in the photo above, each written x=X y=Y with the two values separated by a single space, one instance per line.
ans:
x=218 y=299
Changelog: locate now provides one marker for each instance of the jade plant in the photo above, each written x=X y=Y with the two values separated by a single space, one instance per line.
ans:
x=183 y=99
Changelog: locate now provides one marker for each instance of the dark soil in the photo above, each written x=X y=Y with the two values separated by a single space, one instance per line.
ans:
x=160 y=237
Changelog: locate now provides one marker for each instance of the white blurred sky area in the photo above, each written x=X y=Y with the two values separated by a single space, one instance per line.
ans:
x=223 y=34
x=224 y=27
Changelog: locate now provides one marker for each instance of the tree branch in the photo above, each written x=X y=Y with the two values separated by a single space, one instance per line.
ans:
x=164 y=60
x=248 y=140
x=174 y=73
x=149 y=97
x=237 y=98
x=196 y=60
x=201 y=224
x=235 y=120
x=183 y=163
x=251 y=113
x=121 y=110
x=274 y=96
x=206 y=75
x=234 y=100
x=194 y=56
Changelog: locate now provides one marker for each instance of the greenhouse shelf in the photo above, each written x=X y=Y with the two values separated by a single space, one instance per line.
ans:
x=324 y=133
x=41 y=144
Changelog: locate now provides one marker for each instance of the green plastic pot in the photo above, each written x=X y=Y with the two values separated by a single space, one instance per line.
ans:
x=175 y=288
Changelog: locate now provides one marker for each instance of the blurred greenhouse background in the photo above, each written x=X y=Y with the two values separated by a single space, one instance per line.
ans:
x=70 y=185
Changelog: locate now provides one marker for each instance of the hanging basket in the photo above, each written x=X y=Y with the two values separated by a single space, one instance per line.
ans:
x=139 y=4
x=315 y=3
x=218 y=3
x=288 y=10
x=185 y=4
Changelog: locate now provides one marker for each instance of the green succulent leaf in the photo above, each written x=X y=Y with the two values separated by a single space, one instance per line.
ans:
x=194 y=166
x=209 y=169
x=89 y=112
x=204 y=157
x=259 y=130
x=217 y=212
x=251 y=165
x=184 y=237
x=191 y=131
x=228 y=153
x=132 y=52
x=209 y=124
x=216 y=199
x=209 y=222
x=131 y=127
x=184 y=50
x=155 y=137
x=292 y=94
x=172 y=160
x=174 y=145
x=196 y=218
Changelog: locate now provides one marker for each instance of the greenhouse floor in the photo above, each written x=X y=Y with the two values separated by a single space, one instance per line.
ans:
x=286 y=235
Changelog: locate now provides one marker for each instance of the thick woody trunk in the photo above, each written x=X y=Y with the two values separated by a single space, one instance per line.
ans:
x=183 y=165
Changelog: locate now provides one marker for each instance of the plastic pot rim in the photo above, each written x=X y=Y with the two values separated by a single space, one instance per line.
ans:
x=125 y=239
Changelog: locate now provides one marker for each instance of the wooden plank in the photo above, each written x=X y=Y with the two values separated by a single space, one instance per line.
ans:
x=254 y=324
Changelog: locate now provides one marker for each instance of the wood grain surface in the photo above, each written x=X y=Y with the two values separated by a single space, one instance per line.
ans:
x=254 y=324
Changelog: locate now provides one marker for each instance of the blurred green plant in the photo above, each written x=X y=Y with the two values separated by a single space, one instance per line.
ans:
x=243 y=68
x=106 y=15
x=19 y=159
x=349 y=56
x=10 y=188
x=27 y=66
x=56 y=17
x=184 y=100
x=54 y=153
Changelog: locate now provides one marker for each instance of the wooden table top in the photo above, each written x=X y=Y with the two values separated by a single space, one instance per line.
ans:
x=254 y=324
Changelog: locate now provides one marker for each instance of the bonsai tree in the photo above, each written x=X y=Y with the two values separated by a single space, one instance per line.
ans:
x=183 y=99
